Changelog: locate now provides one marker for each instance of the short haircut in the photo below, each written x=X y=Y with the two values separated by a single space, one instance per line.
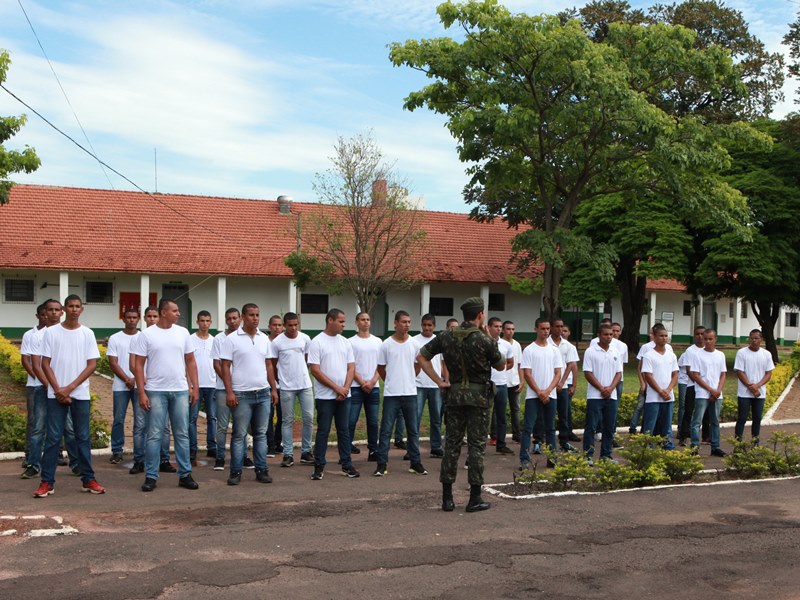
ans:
x=452 y=320
x=615 y=324
x=494 y=320
x=714 y=331
x=248 y=306
x=539 y=321
x=41 y=308
x=471 y=313
x=400 y=314
x=507 y=323
x=164 y=302
x=290 y=316
x=131 y=310
x=557 y=320
x=150 y=308
x=72 y=298
x=273 y=317
x=758 y=331
x=699 y=327
x=333 y=314
x=604 y=327
x=605 y=320
x=363 y=312
x=204 y=313
x=231 y=310
x=428 y=317
x=658 y=327
x=52 y=301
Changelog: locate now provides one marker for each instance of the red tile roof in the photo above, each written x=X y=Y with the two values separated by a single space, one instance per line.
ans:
x=665 y=285
x=77 y=229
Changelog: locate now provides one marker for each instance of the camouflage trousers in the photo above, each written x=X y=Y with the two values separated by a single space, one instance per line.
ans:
x=473 y=422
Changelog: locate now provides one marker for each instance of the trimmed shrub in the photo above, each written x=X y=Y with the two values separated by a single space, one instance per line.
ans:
x=12 y=429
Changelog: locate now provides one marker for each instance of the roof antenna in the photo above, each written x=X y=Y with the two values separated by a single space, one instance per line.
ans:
x=155 y=166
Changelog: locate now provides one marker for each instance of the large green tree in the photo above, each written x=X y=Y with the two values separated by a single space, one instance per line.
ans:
x=792 y=39
x=12 y=161
x=547 y=119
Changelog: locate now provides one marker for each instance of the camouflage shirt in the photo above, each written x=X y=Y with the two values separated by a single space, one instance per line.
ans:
x=469 y=355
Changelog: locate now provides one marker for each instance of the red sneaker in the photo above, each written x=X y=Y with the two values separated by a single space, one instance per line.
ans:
x=492 y=442
x=44 y=490
x=93 y=487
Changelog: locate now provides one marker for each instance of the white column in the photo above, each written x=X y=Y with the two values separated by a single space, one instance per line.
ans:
x=652 y=318
x=144 y=296
x=63 y=285
x=781 y=325
x=424 y=299
x=294 y=297
x=699 y=319
x=222 y=301
x=737 y=320
x=485 y=297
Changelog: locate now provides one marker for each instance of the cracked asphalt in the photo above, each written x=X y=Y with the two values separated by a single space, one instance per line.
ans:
x=386 y=538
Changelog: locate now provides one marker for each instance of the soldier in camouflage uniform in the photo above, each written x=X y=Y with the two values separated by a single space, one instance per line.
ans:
x=469 y=355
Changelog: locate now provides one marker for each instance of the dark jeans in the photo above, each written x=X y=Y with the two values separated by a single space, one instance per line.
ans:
x=563 y=404
x=685 y=426
x=513 y=409
x=746 y=405
x=330 y=411
x=56 y=422
x=372 y=405
x=534 y=407
x=36 y=427
x=208 y=401
x=393 y=406
x=600 y=410
x=499 y=411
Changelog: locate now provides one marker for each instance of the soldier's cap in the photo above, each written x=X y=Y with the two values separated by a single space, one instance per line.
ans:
x=471 y=303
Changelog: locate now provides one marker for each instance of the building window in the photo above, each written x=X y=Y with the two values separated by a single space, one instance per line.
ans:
x=744 y=310
x=732 y=310
x=316 y=304
x=497 y=302
x=441 y=307
x=99 y=292
x=791 y=319
x=18 y=290
x=687 y=308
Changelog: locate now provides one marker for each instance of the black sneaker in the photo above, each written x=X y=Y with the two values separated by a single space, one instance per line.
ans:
x=116 y=458
x=381 y=471
x=400 y=444
x=211 y=453
x=149 y=485
x=166 y=467
x=188 y=483
x=76 y=471
x=235 y=478
x=437 y=453
x=505 y=450
x=193 y=457
x=372 y=457
x=271 y=452
x=219 y=464
x=306 y=458
x=138 y=467
x=319 y=471
x=417 y=469
x=568 y=448
x=29 y=473
x=350 y=471
x=263 y=476
x=573 y=438
x=354 y=449
x=248 y=463
x=279 y=448
x=288 y=460
x=719 y=452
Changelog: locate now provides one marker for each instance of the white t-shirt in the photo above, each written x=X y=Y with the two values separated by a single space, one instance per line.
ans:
x=291 y=355
x=568 y=354
x=754 y=365
x=365 y=352
x=32 y=346
x=219 y=339
x=542 y=361
x=513 y=372
x=119 y=345
x=645 y=348
x=710 y=365
x=684 y=362
x=206 y=377
x=399 y=359
x=249 y=355
x=507 y=352
x=621 y=348
x=69 y=350
x=662 y=366
x=332 y=353
x=604 y=365
x=423 y=381
x=165 y=351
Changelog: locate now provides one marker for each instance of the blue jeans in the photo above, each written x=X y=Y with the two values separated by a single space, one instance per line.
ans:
x=563 y=405
x=206 y=398
x=745 y=405
x=223 y=418
x=329 y=411
x=637 y=412
x=36 y=428
x=306 y=399
x=176 y=404
x=253 y=408
x=681 y=408
x=434 y=399
x=600 y=410
x=500 y=406
x=533 y=408
x=658 y=420
x=700 y=406
x=372 y=405
x=56 y=423
x=399 y=428
x=393 y=406
x=121 y=400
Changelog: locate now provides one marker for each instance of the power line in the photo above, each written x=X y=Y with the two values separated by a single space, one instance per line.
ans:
x=61 y=87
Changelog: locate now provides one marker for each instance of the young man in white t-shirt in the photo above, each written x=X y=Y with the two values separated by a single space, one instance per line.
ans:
x=499 y=403
x=36 y=395
x=427 y=391
x=232 y=322
x=513 y=379
x=69 y=357
x=542 y=366
x=164 y=358
x=275 y=424
x=659 y=369
x=753 y=366
x=123 y=390
x=332 y=364
x=686 y=405
x=290 y=360
x=708 y=371
x=203 y=344
x=248 y=373
x=398 y=368
x=602 y=367
x=566 y=386
x=365 y=390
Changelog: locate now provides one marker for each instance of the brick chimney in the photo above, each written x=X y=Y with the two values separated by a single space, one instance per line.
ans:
x=380 y=190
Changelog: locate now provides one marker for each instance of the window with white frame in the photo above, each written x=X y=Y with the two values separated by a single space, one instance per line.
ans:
x=99 y=292
x=791 y=319
x=18 y=290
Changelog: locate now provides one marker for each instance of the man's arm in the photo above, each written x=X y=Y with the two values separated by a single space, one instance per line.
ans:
x=113 y=363
x=191 y=373
x=27 y=364
x=230 y=397
x=138 y=374
x=427 y=367
x=316 y=371
x=272 y=379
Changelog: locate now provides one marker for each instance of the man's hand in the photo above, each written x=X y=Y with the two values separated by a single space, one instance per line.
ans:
x=144 y=401
x=230 y=400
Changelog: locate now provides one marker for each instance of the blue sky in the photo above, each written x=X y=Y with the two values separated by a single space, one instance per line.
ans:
x=244 y=98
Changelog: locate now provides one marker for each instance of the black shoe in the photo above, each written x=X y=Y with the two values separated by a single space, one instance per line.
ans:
x=350 y=471
x=76 y=471
x=354 y=449
x=29 y=473
x=515 y=438
x=319 y=472
x=138 y=467
x=550 y=464
x=568 y=448
x=288 y=461
x=372 y=457
x=149 y=485
x=116 y=458
x=279 y=448
x=400 y=444
x=406 y=456
x=306 y=458
x=505 y=450
x=381 y=470
x=211 y=453
x=448 y=505
x=248 y=463
x=62 y=461
x=219 y=464
x=417 y=469
x=719 y=452
x=477 y=505
x=235 y=478
x=188 y=483
x=437 y=453
x=263 y=476
x=574 y=438
x=632 y=430
x=166 y=467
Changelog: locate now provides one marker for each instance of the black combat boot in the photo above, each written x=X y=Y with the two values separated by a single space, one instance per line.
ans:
x=447 y=497
x=476 y=503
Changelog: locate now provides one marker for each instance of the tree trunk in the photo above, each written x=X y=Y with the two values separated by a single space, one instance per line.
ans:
x=633 y=294
x=551 y=292
x=767 y=314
